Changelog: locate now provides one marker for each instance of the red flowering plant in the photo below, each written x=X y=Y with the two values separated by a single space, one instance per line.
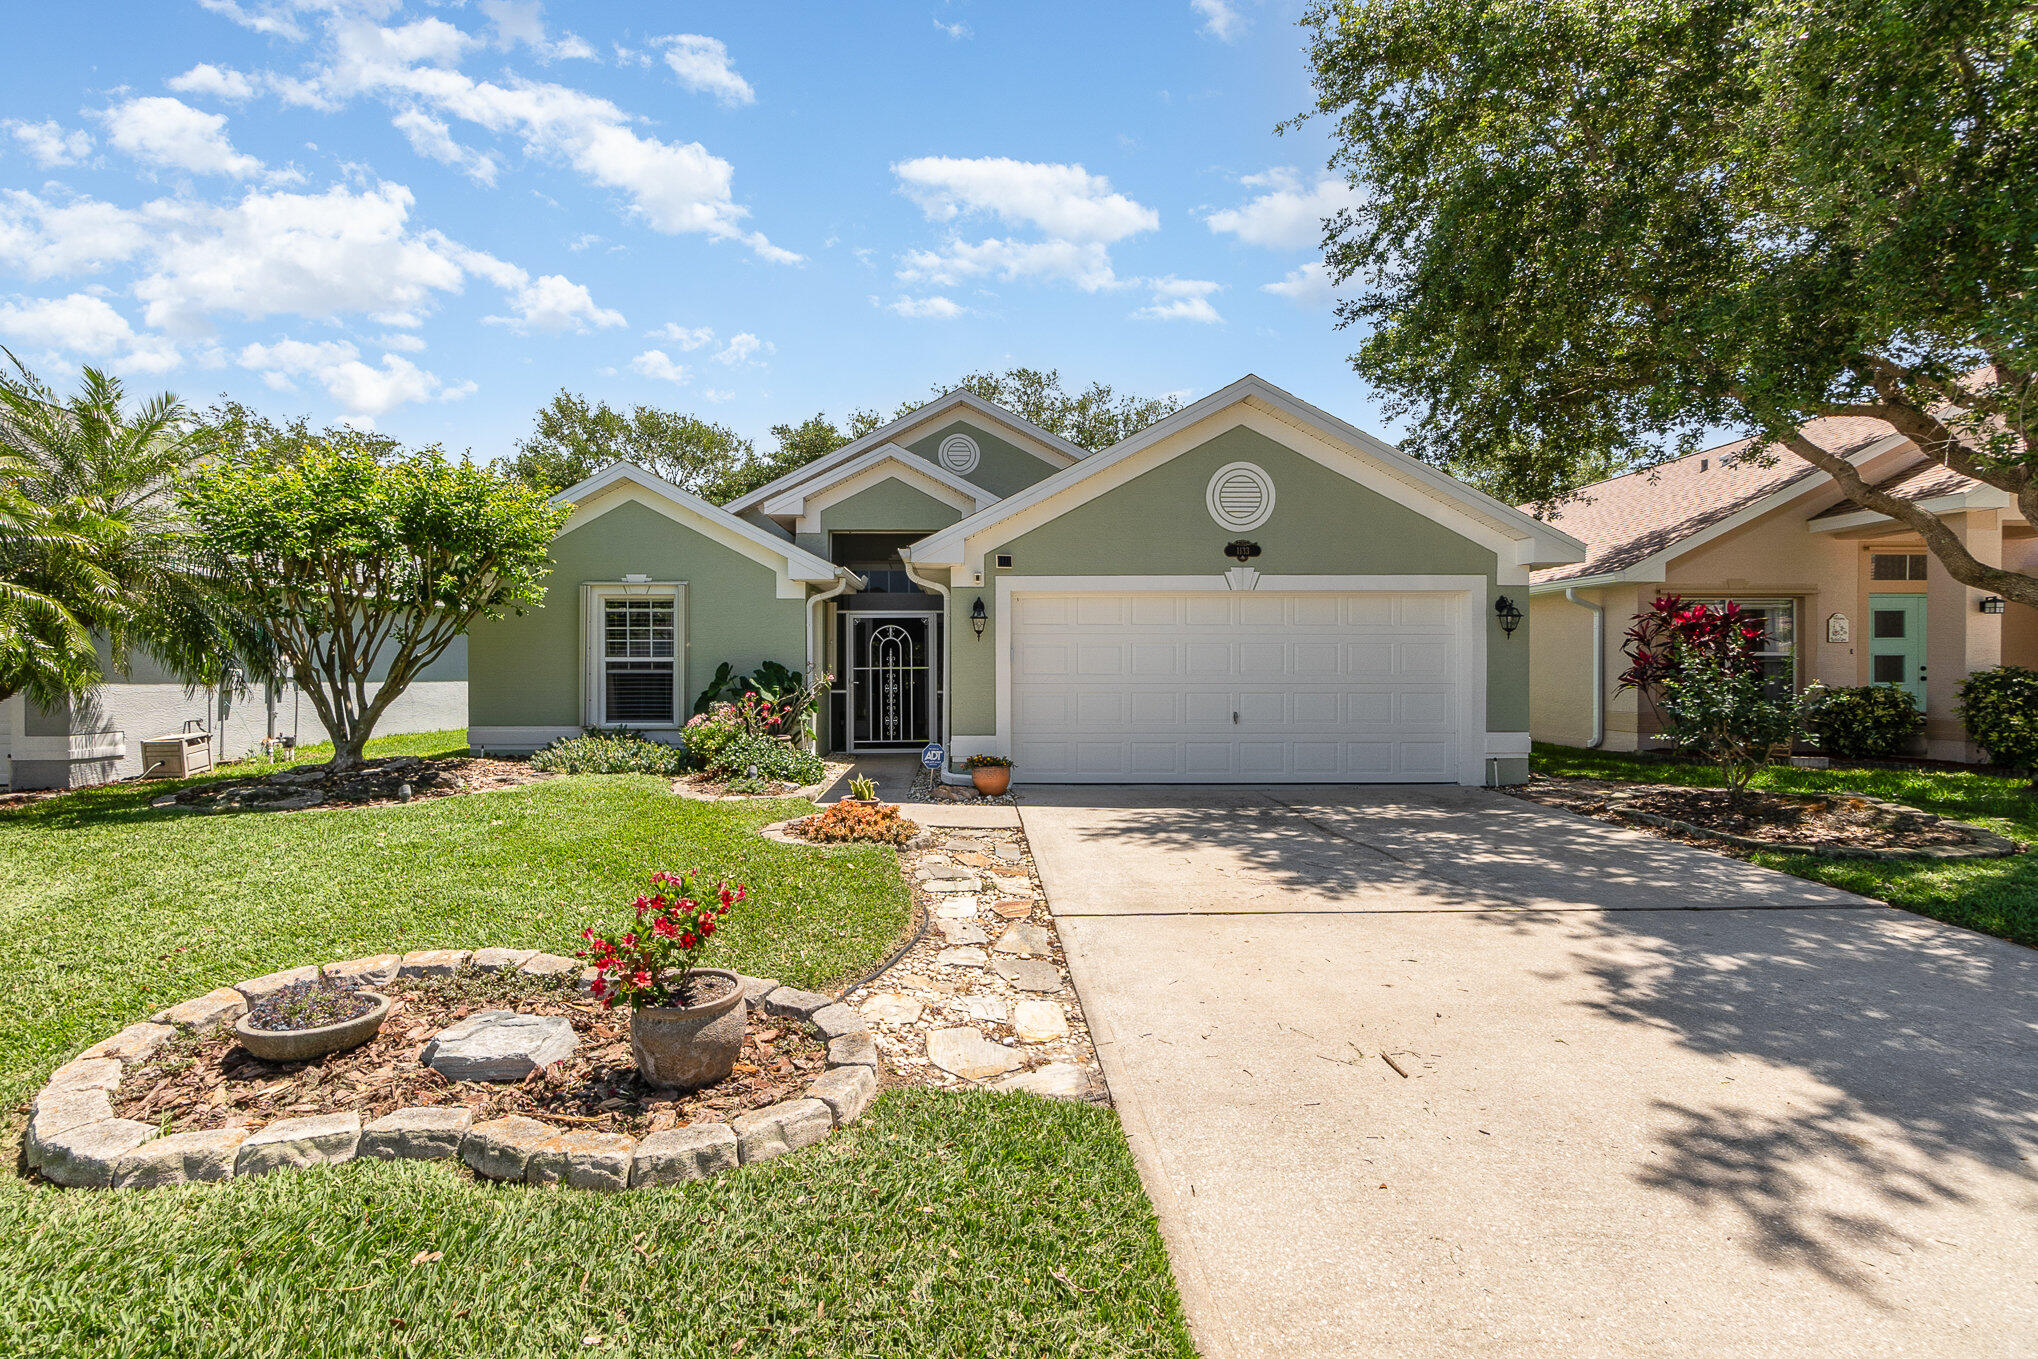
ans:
x=1676 y=630
x=648 y=964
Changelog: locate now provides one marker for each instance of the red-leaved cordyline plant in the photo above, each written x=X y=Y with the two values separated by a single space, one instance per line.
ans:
x=1675 y=629
x=649 y=964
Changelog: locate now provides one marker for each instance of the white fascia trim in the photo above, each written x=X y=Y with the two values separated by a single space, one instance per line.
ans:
x=1472 y=753
x=1977 y=498
x=799 y=563
x=794 y=567
x=812 y=497
x=1517 y=539
x=1049 y=448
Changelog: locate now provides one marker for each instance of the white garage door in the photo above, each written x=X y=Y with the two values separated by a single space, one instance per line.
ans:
x=1237 y=686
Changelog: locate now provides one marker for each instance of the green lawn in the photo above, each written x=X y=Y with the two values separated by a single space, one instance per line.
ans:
x=941 y=1224
x=1995 y=896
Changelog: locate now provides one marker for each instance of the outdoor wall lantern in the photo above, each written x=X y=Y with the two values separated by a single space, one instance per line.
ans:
x=1243 y=549
x=1992 y=604
x=977 y=616
x=1508 y=613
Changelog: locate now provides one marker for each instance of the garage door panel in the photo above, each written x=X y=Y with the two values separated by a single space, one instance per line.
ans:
x=1247 y=686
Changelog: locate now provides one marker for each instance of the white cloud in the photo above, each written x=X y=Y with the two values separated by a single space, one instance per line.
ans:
x=934 y=308
x=401 y=341
x=217 y=82
x=687 y=339
x=48 y=144
x=87 y=327
x=1306 y=285
x=1290 y=215
x=654 y=363
x=272 y=20
x=42 y=239
x=1062 y=201
x=362 y=390
x=718 y=394
x=674 y=187
x=554 y=303
x=433 y=140
x=1220 y=20
x=744 y=348
x=523 y=21
x=162 y=131
x=1087 y=264
x=703 y=66
x=957 y=30
x=1180 y=299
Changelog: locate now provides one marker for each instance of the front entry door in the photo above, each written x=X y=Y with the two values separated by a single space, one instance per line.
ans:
x=893 y=681
x=1896 y=643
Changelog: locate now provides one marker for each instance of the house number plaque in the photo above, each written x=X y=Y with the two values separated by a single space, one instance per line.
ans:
x=1838 y=629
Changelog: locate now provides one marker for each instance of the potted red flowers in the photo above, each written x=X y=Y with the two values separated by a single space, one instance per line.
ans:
x=686 y=1022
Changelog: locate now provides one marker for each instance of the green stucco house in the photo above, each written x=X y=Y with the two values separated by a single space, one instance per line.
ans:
x=1249 y=590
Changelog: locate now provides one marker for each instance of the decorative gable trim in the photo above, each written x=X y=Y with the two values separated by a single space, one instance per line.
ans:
x=806 y=501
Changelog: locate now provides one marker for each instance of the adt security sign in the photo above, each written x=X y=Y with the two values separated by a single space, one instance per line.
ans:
x=933 y=755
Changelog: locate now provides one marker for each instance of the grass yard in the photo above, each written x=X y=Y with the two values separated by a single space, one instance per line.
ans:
x=940 y=1224
x=1995 y=896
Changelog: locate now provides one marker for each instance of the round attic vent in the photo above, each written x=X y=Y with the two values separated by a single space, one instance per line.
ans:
x=1241 y=496
x=958 y=453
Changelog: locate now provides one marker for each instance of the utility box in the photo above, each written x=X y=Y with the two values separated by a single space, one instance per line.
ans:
x=176 y=757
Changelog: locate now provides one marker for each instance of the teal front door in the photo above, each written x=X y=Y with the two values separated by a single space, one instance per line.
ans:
x=1896 y=643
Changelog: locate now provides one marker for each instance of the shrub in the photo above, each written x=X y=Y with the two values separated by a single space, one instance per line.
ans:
x=709 y=734
x=1872 y=722
x=847 y=821
x=1727 y=716
x=1999 y=707
x=608 y=752
x=769 y=758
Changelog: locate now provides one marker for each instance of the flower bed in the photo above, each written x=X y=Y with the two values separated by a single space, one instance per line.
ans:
x=587 y=1122
x=856 y=822
x=301 y=787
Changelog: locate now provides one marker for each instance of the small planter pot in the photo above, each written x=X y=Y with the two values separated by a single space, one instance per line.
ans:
x=304 y=1045
x=694 y=1045
x=992 y=780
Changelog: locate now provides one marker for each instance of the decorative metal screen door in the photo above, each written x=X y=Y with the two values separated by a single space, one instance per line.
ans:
x=892 y=681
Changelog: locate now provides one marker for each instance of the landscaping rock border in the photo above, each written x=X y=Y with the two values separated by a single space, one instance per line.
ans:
x=74 y=1139
x=1984 y=843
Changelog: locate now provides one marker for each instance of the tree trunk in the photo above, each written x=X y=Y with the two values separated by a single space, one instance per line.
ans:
x=347 y=754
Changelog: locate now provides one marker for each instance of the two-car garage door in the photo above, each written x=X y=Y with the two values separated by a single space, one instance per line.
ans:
x=1248 y=686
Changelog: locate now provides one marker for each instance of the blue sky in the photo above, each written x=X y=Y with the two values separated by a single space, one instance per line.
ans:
x=432 y=216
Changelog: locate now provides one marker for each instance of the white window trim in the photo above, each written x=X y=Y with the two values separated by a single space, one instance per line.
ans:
x=593 y=595
x=1791 y=602
x=1473 y=615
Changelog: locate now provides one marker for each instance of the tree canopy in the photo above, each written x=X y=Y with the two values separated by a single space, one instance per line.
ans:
x=574 y=439
x=362 y=570
x=1588 y=231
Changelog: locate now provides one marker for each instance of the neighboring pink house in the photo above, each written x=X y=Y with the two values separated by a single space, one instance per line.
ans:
x=1850 y=597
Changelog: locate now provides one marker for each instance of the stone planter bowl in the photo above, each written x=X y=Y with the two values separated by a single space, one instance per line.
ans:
x=694 y=1045
x=303 y=1045
x=992 y=779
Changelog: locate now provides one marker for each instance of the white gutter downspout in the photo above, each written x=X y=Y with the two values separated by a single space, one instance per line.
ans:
x=947 y=656
x=816 y=662
x=1598 y=666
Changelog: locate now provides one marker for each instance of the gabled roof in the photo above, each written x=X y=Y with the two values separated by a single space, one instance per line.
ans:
x=799 y=564
x=1923 y=480
x=1049 y=448
x=908 y=465
x=1631 y=523
x=1536 y=541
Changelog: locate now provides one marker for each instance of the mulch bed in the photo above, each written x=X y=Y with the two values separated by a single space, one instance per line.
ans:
x=708 y=786
x=1778 y=819
x=379 y=782
x=213 y=1082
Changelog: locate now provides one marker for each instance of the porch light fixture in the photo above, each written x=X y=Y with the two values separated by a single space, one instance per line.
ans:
x=1508 y=613
x=977 y=616
x=1992 y=604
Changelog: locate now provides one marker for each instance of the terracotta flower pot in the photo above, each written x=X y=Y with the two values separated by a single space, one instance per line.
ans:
x=694 y=1045
x=992 y=779
x=304 y=1045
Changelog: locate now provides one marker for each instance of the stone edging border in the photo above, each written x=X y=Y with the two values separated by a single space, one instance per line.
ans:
x=1986 y=843
x=74 y=1139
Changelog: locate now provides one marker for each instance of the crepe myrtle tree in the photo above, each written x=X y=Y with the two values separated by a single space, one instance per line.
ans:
x=357 y=565
x=1586 y=231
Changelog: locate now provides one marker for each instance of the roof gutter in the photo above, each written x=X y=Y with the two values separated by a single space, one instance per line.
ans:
x=1598 y=666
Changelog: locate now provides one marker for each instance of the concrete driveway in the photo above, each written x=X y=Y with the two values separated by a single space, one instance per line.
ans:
x=1657 y=1101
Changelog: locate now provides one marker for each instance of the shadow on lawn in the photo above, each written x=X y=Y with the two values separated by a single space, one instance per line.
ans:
x=1917 y=1038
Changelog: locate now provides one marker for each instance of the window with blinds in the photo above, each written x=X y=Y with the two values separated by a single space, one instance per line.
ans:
x=639 y=671
x=1896 y=566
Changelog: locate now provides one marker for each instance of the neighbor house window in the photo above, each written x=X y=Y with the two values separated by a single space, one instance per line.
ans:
x=1896 y=566
x=635 y=646
x=1778 y=652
